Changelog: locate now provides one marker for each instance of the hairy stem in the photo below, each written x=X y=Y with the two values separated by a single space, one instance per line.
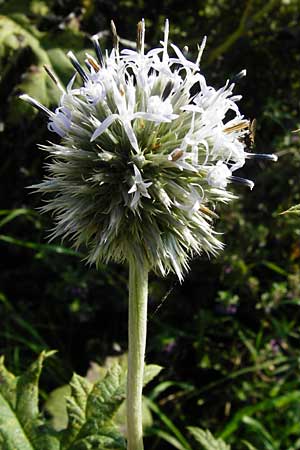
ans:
x=137 y=329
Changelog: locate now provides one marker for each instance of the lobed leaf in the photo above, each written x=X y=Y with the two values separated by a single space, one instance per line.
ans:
x=21 y=427
x=207 y=440
x=90 y=411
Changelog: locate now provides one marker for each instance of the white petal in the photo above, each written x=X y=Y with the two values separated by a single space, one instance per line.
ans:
x=192 y=108
x=130 y=91
x=135 y=200
x=131 y=136
x=56 y=129
x=132 y=189
x=166 y=38
x=71 y=82
x=137 y=174
x=155 y=117
x=103 y=126
x=120 y=101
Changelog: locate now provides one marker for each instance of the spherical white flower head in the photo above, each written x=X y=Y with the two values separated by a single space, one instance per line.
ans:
x=146 y=151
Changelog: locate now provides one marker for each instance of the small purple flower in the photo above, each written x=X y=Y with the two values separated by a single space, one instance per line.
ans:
x=295 y=138
x=275 y=345
x=170 y=346
x=227 y=310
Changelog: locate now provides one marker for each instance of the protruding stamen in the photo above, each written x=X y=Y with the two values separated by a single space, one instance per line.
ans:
x=92 y=62
x=237 y=127
x=208 y=211
x=77 y=66
x=36 y=104
x=167 y=90
x=166 y=38
x=265 y=156
x=243 y=181
x=97 y=48
x=140 y=41
x=115 y=36
x=88 y=65
x=54 y=78
x=175 y=155
x=121 y=90
x=238 y=76
x=201 y=50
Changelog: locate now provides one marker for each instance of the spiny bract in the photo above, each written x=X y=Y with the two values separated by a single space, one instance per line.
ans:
x=146 y=152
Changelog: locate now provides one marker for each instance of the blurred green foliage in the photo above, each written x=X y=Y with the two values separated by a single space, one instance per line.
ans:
x=229 y=336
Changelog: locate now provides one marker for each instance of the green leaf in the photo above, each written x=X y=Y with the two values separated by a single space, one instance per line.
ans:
x=76 y=408
x=207 y=440
x=22 y=6
x=8 y=383
x=55 y=406
x=258 y=428
x=168 y=438
x=248 y=445
x=265 y=405
x=168 y=424
x=27 y=408
x=12 y=214
x=21 y=427
x=91 y=409
x=11 y=432
x=294 y=210
x=151 y=371
x=21 y=41
x=69 y=397
x=40 y=247
x=107 y=395
x=272 y=266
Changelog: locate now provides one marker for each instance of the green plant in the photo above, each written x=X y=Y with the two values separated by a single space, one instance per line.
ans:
x=91 y=409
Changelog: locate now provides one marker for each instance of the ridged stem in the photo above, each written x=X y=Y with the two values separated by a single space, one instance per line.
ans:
x=137 y=330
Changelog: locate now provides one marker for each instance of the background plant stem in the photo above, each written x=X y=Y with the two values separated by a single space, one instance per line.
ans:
x=137 y=330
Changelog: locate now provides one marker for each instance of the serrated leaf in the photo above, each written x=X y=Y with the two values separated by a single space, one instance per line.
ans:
x=107 y=395
x=76 y=408
x=56 y=404
x=21 y=427
x=11 y=432
x=151 y=371
x=27 y=407
x=8 y=384
x=109 y=439
x=91 y=409
x=207 y=440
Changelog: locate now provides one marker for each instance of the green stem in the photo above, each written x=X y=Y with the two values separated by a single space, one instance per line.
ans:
x=137 y=330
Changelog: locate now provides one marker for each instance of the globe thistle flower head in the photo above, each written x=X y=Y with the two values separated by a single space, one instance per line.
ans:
x=146 y=154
